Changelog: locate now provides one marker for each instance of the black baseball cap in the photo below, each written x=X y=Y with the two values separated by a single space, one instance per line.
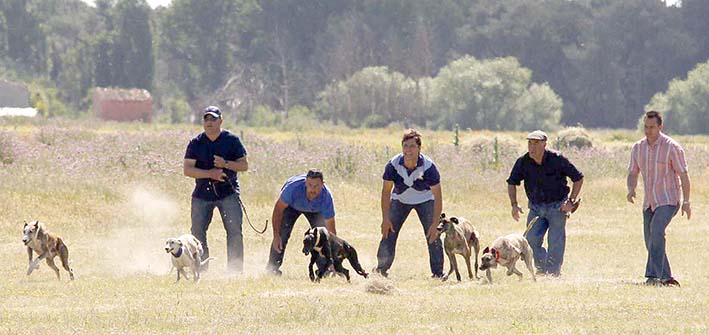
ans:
x=213 y=111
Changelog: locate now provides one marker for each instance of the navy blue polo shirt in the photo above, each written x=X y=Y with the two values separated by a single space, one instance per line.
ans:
x=295 y=195
x=544 y=183
x=202 y=149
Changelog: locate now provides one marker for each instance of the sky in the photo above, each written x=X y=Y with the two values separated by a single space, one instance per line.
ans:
x=152 y=3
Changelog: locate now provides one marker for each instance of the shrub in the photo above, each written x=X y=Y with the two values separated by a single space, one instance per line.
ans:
x=574 y=137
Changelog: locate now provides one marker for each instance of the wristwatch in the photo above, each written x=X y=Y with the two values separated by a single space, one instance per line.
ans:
x=686 y=202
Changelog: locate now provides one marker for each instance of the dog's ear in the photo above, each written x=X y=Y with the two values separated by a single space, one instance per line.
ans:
x=486 y=250
x=454 y=219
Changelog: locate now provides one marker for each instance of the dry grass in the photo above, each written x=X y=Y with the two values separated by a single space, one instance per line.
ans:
x=115 y=216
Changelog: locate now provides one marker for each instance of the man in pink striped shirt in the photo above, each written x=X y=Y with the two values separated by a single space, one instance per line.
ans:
x=661 y=161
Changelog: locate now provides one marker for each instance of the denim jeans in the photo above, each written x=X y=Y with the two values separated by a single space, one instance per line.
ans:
x=290 y=215
x=398 y=212
x=654 y=225
x=230 y=210
x=553 y=220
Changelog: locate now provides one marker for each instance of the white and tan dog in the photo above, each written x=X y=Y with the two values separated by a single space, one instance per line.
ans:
x=506 y=251
x=47 y=245
x=186 y=252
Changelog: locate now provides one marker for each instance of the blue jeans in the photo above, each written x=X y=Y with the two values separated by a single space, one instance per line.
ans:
x=654 y=225
x=290 y=215
x=230 y=210
x=553 y=220
x=398 y=213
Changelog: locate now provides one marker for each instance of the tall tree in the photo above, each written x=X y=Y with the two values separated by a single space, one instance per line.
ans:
x=199 y=42
x=132 y=54
x=26 y=43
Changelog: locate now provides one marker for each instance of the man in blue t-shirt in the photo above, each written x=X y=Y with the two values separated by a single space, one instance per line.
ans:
x=302 y=194
x=213 y=158
x=410 y=182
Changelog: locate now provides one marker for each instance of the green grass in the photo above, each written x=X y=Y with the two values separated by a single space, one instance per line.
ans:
x=115 y=219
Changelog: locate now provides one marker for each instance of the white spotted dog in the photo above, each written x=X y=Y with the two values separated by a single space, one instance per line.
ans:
x=186 y=252
x=47 y=245
x=318 y=242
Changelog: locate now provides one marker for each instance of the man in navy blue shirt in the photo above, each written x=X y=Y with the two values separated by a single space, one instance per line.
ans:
x=410 y=182
x=544 y=173
x=302 y=194
x=213 y=158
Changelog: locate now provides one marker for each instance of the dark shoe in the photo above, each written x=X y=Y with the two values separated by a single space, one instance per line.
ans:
x=555 y=274
x=437 y=276
x=653 y=282
x=381 y=272
x=670 y=282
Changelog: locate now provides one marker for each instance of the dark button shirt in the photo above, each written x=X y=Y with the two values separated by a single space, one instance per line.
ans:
x=202 y=149
x=544 y=183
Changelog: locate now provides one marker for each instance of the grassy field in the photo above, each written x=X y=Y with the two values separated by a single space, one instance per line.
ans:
x=115 y=192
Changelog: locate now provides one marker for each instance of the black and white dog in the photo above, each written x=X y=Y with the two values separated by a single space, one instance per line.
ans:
x=318 y=242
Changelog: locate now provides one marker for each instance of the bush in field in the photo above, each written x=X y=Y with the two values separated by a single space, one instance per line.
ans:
x=574 y=137
x=7 y=152
x=46 y=100
x=685 y=104
x=300 y=118
x=492 y=94
x=372 y=97
x=176 y=110
x=263 y=116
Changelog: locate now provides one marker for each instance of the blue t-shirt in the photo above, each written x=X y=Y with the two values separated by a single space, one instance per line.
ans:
x=295 y=196
x=412 y=187
x=202 y=149
x=545 y=183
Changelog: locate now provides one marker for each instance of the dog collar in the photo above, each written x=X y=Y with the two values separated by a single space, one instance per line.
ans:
x=178 y=254
x=497 y=256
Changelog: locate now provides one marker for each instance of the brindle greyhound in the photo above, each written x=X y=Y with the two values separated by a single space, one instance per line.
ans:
x=461 y=237
x=47 y=246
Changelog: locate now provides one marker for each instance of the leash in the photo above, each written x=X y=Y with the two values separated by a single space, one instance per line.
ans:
x=243 y=208
x=265 y=226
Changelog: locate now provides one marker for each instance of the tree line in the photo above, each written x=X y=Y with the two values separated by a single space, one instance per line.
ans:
x=495 y=64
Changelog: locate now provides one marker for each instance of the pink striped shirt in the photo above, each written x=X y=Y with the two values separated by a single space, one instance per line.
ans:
x=660 y=165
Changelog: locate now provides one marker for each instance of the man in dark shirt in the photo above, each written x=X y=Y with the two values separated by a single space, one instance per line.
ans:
x=544 y=173
x=213 y=158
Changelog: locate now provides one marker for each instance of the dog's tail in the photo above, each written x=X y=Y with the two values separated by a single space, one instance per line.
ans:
x=205 y=262
x=352 y=257
x=529 y=225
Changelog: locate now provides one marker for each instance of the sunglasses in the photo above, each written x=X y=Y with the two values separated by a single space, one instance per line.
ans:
x=211 y=118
